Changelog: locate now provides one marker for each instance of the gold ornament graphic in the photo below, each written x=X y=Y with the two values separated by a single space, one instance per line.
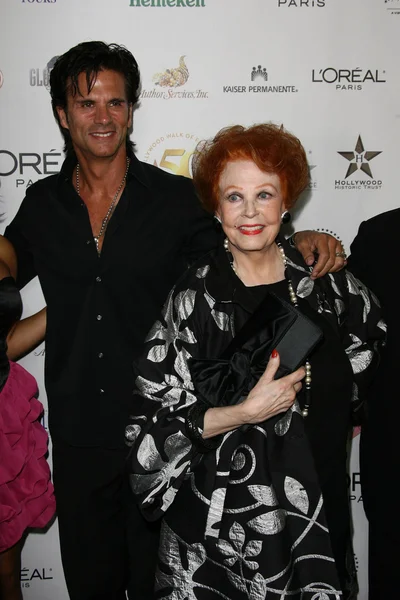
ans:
x=173 y=152
x=184 y=165
x=173 y=77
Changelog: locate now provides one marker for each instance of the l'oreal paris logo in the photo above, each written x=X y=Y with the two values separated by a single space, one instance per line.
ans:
x=41 y=573
x=27 y=167
x=348 y=78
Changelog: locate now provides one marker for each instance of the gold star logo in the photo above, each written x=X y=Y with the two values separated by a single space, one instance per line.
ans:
x=359 y=158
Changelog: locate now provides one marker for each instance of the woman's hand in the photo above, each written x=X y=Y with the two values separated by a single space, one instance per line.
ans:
x=270 y=397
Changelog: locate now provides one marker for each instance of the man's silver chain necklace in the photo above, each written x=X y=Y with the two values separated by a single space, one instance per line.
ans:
x=109 y=212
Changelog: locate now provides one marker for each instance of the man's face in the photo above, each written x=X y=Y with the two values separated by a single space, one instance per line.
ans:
x=98 y=121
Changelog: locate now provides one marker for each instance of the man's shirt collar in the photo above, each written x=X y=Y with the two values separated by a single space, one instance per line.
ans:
x=136 y=169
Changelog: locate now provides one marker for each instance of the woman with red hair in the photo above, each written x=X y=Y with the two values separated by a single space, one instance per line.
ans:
x=247 y=384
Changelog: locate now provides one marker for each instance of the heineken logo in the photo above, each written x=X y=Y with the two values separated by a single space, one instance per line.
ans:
x=168 y=3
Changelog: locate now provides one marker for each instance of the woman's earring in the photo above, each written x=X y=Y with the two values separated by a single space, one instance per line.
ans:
x=217 y=218
x=285 y=217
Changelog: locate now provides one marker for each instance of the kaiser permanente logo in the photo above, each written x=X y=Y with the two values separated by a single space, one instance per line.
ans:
x=168 y=3
x=359 y=161
x=348 y=79
x=166 y=83
x=260 y=84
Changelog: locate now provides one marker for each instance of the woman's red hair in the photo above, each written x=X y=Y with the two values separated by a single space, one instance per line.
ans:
x=270 y=147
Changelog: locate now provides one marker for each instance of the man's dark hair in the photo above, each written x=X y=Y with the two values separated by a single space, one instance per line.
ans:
x=90 y=58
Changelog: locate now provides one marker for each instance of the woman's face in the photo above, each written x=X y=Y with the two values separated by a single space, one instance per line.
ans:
x=250 y=206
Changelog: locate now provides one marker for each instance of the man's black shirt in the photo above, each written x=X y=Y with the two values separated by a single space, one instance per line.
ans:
x=99 y=309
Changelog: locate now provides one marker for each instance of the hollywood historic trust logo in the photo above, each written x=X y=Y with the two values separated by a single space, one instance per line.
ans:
x=359 y=158
x=170 y=83
x=359 y=162
x=259 y=84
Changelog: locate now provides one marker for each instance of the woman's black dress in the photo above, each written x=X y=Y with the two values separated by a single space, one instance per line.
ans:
x=327 y=427
x=265 y=515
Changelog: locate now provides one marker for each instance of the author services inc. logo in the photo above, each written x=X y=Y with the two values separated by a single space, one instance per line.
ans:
x=359 y=161
x=171 y=83
x=259 y=83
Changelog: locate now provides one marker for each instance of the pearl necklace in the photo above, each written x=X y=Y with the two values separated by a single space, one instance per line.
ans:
x=293 y=300
x=109 y=212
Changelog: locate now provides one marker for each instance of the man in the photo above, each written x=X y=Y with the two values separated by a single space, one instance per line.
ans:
x=373 y=260
x=108 y=237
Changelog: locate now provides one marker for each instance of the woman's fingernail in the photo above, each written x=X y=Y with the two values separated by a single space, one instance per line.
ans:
x=274 y=353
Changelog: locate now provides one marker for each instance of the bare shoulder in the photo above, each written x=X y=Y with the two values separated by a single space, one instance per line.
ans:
x=8 y=259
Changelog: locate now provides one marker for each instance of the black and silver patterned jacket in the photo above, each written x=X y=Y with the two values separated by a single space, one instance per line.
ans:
x=227 y=512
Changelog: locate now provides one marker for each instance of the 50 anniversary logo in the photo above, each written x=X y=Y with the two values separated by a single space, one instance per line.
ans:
x=173 y=152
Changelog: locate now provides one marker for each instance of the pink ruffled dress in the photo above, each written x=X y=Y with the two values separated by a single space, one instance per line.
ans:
x=26 y=491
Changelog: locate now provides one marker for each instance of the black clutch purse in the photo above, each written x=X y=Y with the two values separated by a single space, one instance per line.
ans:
x=275 y=324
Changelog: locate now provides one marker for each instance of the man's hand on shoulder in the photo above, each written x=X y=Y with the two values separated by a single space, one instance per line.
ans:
x=330 y=257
